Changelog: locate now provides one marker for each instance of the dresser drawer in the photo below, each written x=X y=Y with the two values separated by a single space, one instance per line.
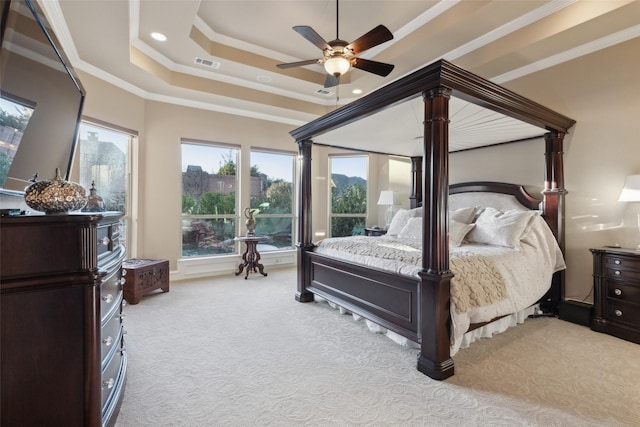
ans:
x=623 y=291
x=112 y=377
x=111 y=337
x=622 y=312
x=109 y=240
x=110 y=294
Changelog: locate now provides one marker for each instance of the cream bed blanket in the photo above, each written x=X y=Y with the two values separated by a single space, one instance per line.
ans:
x=476 y=282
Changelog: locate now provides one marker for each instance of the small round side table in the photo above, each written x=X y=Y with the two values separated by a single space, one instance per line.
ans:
x=251 y=256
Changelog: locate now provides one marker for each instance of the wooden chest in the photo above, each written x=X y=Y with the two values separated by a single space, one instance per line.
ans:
x=143 y=276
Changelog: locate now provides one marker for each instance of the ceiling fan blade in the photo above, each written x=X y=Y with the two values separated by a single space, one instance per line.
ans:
x=311 y=35
x=378 y=35
x=331 y=81
x=298 y=64
x=375 y=67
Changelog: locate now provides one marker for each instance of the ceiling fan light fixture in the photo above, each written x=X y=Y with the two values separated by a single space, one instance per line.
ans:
x=337 y=66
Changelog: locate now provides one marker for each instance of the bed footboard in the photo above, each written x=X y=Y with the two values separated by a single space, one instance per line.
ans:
x=389 y=300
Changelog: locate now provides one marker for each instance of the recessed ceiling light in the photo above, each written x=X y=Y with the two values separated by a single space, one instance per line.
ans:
x=159 y=36
x=356 y=91
x=264 y=79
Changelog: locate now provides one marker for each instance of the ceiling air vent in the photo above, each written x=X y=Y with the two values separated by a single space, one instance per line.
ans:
x=207 y=63
x=324 y=92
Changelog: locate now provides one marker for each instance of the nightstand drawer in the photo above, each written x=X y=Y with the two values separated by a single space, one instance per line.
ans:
x=618 y=311
x=622 y=274
x=623 y=292
x=622 y=262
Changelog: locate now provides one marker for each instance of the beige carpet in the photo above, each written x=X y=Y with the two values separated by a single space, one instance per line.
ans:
x=235 y=352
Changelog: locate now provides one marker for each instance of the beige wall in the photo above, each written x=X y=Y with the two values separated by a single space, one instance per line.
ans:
x=599 y=152
x=161 y=128
x=601 y=92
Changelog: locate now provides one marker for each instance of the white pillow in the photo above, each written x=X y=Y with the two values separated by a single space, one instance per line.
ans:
x=464 y=215
x=413 y=229
x=458 y=231
x=400 y=220
x=494 y=227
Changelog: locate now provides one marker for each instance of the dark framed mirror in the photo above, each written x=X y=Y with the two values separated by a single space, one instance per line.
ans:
x=41 y=99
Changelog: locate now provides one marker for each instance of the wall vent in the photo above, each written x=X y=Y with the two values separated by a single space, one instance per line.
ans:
x=207 y=63
x=324 y=92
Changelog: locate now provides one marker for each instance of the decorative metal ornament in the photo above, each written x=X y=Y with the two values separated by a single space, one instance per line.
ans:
x=250 y=222
x=95 y=203
x=55 y=196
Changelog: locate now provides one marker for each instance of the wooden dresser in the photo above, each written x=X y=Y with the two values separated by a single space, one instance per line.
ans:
x=63 y=360
x=616 y=281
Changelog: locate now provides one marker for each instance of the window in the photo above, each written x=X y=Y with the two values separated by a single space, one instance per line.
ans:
x=348 y=188
x=14 y=117
x=104 y=164
x=272 y=195
x=209 y=188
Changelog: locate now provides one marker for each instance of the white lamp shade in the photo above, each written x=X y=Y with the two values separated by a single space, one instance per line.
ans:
x=388 y=198
x=337 y=65
x=631 y=190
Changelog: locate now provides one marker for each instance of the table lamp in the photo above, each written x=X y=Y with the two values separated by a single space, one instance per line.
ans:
x=388 y=198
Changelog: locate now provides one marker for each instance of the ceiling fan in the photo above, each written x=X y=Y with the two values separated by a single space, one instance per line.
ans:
x=338 y=56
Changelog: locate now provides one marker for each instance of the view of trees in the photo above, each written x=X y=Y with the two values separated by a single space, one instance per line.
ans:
x=270 y=198
x=272 y=202
x=18 y=120
x=351 y=199
x=9 y=124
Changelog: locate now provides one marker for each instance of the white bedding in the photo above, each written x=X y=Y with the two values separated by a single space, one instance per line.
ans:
x=526 y=270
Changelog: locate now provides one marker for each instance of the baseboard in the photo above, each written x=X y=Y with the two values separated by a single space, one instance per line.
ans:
x=576 y=312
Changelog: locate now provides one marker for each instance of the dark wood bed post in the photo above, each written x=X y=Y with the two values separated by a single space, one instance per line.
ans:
x=434 y=292
x=304 y=220
x=554 y=191
x=553 y=206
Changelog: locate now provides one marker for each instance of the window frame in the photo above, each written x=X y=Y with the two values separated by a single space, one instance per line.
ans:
x=235 y=216
x=293 y=213
x=331 y=215
x=130 y=216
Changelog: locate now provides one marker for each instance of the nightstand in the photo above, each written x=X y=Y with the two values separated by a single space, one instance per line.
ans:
x=616 y=282
x=374 y=231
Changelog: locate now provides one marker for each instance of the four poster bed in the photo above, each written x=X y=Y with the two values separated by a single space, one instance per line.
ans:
x=416 y=299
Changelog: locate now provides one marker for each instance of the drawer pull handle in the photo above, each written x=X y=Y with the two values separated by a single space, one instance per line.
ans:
x=617 y=262
x=617 y=273
x=109 y=383
x=105 y=241
x=617 y=291
x=618 y=313
x=107 y=341
x=107 y=298
x=123 y=281
x=124 y=272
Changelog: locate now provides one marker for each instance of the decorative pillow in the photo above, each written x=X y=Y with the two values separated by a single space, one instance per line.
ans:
x=400 y=220
x=458 y=231
x=494 y=227
x=464 y=215
x=413 y=229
